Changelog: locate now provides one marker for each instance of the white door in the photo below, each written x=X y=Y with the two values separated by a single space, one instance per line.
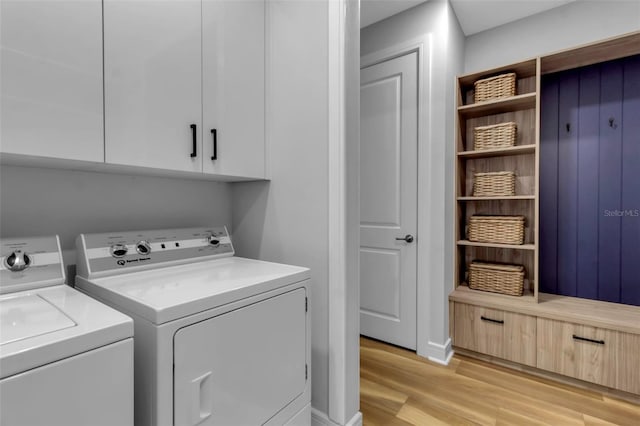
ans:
x=241 y=368
x=51 y=79
x=388 y=200
x=152 y=83
x=233 y=64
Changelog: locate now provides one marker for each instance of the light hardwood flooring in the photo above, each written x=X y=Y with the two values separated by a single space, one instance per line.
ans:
x=399 y=388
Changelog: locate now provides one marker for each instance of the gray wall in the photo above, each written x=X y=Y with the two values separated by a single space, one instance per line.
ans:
x=286 y=220
x=568 y=26
x=39 y=201
x=352 y=155
x=436 y=18
x=455 y=65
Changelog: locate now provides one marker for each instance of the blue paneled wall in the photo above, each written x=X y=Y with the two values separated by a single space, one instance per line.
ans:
x=590 y=182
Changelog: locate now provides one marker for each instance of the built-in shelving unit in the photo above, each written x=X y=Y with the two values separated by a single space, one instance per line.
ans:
x=593 y=341
x=522 y=158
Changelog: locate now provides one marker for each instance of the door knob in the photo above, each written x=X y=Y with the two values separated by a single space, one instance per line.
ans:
x=407 y=238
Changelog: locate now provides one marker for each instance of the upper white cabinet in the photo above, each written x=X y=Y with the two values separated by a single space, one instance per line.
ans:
x=233 y=63
x=153 y=83
x=172 y=66
x=51 y=79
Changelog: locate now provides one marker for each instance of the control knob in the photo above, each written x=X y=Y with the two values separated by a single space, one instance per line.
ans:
x=143 y=247
x=17 y=261
x=213 y=240
x=118 y=250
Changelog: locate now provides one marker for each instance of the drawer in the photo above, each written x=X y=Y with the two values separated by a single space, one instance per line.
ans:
x=579 y=351
x=494 y=332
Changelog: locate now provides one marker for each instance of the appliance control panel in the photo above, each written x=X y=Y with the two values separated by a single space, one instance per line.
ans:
x=113 y=253
x=30 y=262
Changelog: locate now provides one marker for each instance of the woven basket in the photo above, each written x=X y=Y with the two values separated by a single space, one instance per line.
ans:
x=494 y=184
x=495 y=136
x=497 y=278
x=496 y=229
x=500 y=86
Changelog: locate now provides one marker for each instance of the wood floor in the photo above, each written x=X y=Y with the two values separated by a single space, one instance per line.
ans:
x=399 y=388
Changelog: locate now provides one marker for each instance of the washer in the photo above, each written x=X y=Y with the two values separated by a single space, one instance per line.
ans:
x=219 y=339
x=65 y=359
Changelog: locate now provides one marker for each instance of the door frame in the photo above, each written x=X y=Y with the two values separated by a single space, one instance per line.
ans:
x=428 y=179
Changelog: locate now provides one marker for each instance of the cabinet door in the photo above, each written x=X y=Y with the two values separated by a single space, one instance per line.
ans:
x=152 y=68
x=497 y=333
x=51 y=79
x=233 y=46
x=628 y=361
x=586 y=353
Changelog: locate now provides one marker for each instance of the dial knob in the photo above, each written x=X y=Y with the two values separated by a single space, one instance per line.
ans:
x=118 y=250
x=17 y=261
x=213 y=240
x=143 y=247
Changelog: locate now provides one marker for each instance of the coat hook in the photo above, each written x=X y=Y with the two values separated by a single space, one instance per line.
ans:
x=568 y=127
x=611 y=120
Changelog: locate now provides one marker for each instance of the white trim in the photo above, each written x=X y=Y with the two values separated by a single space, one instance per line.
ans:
x=426 y=181
x=440 y=354
x=337 y=398
x=318 y=418
x=267 y=89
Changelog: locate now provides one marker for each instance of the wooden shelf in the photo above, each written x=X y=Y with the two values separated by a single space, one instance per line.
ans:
x=499 y=197
x=606 y=50
x=522 y=69
x=495 y=245
x=499 y=152
x=499 y=106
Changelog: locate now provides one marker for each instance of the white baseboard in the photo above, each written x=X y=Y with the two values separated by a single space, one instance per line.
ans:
x=319 y=418
x=440 y=354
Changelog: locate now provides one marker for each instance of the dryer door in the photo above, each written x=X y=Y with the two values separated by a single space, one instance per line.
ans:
x=242 y=367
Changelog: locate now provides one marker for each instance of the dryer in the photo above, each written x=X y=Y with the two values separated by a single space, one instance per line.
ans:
x=65 y=359
x=220 y=339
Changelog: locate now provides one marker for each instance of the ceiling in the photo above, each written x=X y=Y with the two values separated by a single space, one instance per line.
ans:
x=474 y=15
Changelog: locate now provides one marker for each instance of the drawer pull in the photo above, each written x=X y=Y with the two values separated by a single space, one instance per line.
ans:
x=584 y=339
x=483 y=318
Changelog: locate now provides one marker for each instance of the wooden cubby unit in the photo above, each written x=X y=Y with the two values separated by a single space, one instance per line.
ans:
x=592 y=341
x=522 y=158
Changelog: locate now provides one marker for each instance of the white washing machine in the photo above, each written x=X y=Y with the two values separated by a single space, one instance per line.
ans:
x=65 y=359
x=219 y=339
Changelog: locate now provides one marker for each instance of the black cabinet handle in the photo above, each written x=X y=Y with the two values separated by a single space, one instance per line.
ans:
x=194 y=151
x=483 y=318
x=584 y=339
x=214 y=132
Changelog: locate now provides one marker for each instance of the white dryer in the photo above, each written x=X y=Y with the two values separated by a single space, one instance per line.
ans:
x=65 y=359
x=219 y=339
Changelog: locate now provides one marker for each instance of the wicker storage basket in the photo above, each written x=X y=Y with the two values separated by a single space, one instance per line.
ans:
x=500 y=86
x=494 y=184
x=495 y=136
x=496 y=229
x=497 y=278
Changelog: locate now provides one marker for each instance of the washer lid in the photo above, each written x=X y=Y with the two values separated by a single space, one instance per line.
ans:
x=45 y=325
x=165 y=294
x=29 y=315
